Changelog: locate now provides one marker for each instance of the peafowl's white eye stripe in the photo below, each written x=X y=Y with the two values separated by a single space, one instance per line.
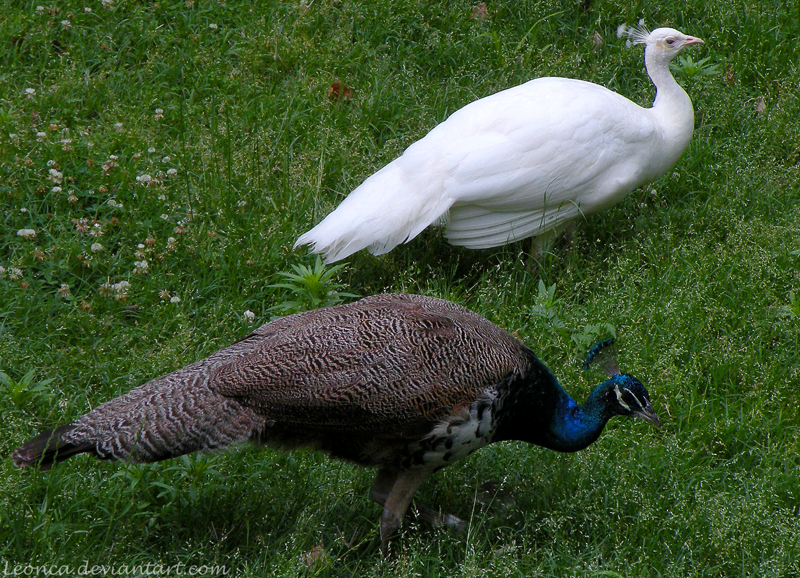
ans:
x=619 y=398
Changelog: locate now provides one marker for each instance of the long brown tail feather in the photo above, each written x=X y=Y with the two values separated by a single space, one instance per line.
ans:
x=48 y=448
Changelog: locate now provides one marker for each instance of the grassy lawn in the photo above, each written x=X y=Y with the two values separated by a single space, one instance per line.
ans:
x=167 y=155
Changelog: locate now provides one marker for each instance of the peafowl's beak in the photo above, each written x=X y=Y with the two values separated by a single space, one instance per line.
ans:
x=647 y=413
x=692 y=40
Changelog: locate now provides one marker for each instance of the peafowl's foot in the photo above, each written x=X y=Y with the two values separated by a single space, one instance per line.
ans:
x=394 y=489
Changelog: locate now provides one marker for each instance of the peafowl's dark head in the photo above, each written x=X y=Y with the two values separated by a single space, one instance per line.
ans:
x=625 y=395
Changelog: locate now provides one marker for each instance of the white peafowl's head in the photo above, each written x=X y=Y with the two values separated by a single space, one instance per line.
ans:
x=662 y=44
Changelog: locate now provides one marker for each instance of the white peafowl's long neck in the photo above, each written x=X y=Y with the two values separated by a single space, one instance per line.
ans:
x=672 y=107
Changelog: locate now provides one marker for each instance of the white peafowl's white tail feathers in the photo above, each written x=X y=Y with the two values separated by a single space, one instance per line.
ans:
x=388 y=208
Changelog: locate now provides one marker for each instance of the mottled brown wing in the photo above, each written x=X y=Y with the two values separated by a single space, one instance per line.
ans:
x=387 y=364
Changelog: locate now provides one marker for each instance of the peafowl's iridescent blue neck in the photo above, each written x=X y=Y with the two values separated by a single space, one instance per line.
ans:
x=574 y=427
x=535 y=408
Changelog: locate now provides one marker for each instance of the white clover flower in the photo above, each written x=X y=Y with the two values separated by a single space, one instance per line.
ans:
x=108 y=3
x=166 y=159
x=241 y=203
x=96 y=247
x=66 y=24
x=56 y=189
x=26 y=233
x=140 y=246
x=113 y=157
x=165 y=217
x=249 y=316
x=174 y=299
x=40 y=8
x=40 y=136
x=144 y=178
x=141 y=266
x=15 y=273
x=121 y=286
x=30 y=91
x=213 y=26
x=172 y=172
x=2 y=270
x=159 y=111
x=151 y=150
x=119 y=126
x=51 y=163
x=23 y=210
x=55 y=175
x=63 y=291
x=172 y=240
x=87 y=10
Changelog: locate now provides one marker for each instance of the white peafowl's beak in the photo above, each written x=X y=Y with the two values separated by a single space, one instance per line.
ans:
x=692 y=40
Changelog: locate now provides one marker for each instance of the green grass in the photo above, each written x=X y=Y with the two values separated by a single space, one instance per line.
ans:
x=698 y=275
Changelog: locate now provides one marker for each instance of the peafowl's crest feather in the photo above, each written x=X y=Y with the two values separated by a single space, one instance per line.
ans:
x=635 y=34
x=604 y=355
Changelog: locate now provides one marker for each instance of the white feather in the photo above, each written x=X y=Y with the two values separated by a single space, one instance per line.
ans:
x=522 y=162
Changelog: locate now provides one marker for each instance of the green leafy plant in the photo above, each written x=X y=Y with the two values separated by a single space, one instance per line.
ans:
x=688 y=68
x=22 y=392
x=311 y=288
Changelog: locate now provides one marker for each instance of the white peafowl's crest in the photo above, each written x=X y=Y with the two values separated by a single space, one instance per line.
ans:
x=635 y=34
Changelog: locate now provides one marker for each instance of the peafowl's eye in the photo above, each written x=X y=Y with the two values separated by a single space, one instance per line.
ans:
x=670 y=41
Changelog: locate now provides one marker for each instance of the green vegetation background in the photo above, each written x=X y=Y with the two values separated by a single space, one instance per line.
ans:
x=166 y=155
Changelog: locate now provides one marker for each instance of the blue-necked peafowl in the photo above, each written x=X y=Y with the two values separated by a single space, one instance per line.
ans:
x=403 y=383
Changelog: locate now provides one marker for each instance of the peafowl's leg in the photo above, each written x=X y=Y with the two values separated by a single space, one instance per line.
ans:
x=394 y=490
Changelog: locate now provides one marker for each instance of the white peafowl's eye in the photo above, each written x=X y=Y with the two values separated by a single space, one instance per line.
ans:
x=670 y=41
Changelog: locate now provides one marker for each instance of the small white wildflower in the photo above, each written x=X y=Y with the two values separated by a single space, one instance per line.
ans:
x=66 y=24
x=174 y=299
x=172 y=172
x=40 y=136
x=13 y=135
x=55 y=175
x=140 y=246
x=113 y=157
x=30 y=91
x=23 y=210
x=26 y=233
x=2 y=270
x=172 y=240
x=249 y=316
x=165 y=217
x=15 y=273
x=162 y=197
x=121 y=286
x=166 y=159
x=144 y=178
x=159 y=111
x=108 y=3
x=96 y=247
x=119 y=126
x=51 y=163
x=87 y=10
x=72 y=198
x=213 y=26
x=136 y=156
x=241 y=203
x=113 y=203
x=63 y=291
x=151 y=150
x=40 y=8
x=141 y=266
x=56 y=189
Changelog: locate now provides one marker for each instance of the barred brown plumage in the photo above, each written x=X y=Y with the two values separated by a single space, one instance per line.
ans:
x=405 y=383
